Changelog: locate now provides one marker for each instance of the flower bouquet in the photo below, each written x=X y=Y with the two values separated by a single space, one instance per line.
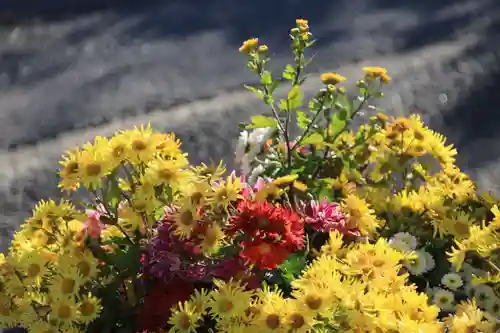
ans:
x=324 y=227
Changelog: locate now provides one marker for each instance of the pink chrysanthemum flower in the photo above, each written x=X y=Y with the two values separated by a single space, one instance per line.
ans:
x=326 y=217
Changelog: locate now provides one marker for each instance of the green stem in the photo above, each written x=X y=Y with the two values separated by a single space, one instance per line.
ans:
x=332 y=141
x=311 y=124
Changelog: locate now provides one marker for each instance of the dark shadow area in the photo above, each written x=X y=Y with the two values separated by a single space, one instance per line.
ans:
x=476 y=117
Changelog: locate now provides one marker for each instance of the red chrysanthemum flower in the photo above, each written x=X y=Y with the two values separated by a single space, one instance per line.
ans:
x=265 y=221
x=264 y=255
x=271 y=232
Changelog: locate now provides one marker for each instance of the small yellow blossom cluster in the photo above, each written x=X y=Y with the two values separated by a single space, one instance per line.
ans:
x=348 y=288
x=302 y=29
x=47 y=277
x=372 y=73
x=139 y=147
x=484 y=240
x=150 y=171
x=50 y=271
x=413 y=169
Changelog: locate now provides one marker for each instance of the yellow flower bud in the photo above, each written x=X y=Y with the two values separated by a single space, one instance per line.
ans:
x=249 y=45
x=331 y=78
x=263 y=49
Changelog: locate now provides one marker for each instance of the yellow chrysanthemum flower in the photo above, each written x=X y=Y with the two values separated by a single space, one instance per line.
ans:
x=94 y=163
x=298 y=318
x=63 y=311
x=229 y=299
x=69 y=173
x=226 y=192
x=166 y=172
x=140 y=144
x=200 y=299
x=360 y=215
x=249 y=45
x=271 y=313
x=211 y=239
x=185 y=220
x=66 y=283
x=211 y=172
x=88 y=309
x=331 y=78
x=83 y=260
x=184 y=318
x=129 y=220
x=40 y=327
x=33 y=267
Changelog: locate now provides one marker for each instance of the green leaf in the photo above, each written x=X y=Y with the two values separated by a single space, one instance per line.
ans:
x=260 y=121
x=343 y=103
x=338 y=123
x=273 y=86
x=293 y=266
x=266 y=78
x=289 y=73
x=283 y=104
x=259 y=93
x=113 y=192
x=295 y=98
x=127 y=259
x=302 y=120
x=313 y=139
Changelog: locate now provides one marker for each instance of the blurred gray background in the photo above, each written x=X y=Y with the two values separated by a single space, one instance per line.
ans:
x=73 y=69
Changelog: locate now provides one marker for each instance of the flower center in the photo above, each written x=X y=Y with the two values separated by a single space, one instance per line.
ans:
x=138 y=145
x=34 y=270
x=273 y=321
x=166 y=174
x=87 y=309
x=313 y=302
x=297 y=320
x=4 y=310
x=226 y=306
x=93 y=169
x=263 y=222
x=68 y=286
x=265 y=248
x=118 y=151
x=83 y=268
x=186 y=218
x=196 y=198
x=64 y=311
x=71 y=168
x=184 y=321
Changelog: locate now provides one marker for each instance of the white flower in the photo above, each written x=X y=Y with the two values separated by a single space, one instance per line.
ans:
x=256 y=172
x=422 y=264
x=399 y=245
x=418 y=265
x=259 y=136
x=444 y=299
x=430 y=263
x=483 y=294
x=407 y=238
x=452 y=281
x=241 y=146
